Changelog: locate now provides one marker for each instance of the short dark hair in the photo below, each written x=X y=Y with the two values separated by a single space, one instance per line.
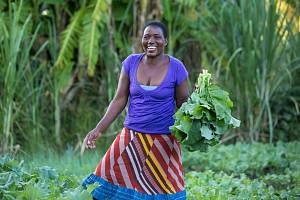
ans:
x=159 y=25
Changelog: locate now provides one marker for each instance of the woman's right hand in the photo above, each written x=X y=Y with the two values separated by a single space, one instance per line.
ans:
x=90 y=139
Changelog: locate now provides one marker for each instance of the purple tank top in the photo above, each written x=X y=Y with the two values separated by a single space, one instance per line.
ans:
x=152 y=111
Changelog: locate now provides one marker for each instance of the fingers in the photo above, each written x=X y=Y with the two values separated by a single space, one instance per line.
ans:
x=90 y=140
x=91 y=144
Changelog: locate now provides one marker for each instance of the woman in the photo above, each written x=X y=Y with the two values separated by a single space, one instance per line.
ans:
x=144 y=161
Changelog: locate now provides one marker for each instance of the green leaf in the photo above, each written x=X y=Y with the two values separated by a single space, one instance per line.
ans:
x=69 y=40
x=189 y=108
x=206 y=132
x=62 y=76
x=199 y=112
x=185 y=124
x=235 y=122
x=221 y=129
x=194 y=133
x=180 y=136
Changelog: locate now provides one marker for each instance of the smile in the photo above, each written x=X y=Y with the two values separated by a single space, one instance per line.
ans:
x=151 y=48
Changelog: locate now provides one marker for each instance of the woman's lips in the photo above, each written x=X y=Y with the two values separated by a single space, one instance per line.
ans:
x=151 y=48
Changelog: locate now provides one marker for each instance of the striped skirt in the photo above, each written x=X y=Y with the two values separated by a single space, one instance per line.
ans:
x=139 y=166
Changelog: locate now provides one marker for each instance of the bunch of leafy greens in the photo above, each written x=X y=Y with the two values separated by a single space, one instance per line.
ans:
x=206 y=115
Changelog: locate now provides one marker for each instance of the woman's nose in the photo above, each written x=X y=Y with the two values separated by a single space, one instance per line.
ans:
x=151 y=40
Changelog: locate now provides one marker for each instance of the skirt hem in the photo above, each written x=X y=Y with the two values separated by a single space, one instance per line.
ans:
x=115 y=192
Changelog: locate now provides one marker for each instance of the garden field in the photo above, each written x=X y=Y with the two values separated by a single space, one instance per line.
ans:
x=240 y=171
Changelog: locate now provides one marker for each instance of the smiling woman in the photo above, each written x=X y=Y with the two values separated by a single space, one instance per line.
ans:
x=154 y=39
x=144 y=161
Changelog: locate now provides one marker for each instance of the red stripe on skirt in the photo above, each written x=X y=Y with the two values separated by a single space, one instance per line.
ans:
x=166 y=147
x=178 y=154
x=172 y=166
x=98 y=169
x=107 y=169
x=116 y=167
x=177 y=158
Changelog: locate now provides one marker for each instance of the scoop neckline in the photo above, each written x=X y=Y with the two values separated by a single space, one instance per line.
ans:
x=164 y=79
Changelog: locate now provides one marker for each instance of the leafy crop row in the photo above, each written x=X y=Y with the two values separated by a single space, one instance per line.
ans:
x=241 y=171
x=44 y=182
x=266 y=170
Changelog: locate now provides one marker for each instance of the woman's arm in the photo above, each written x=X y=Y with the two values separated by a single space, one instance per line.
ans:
x=115 y=107
x=181 y=93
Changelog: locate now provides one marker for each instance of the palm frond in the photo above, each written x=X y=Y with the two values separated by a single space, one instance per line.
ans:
x=93 y=23
x=69 y=39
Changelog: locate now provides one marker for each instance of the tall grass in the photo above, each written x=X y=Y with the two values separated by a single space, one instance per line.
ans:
x=20 y=89
x=249 y=45
x=39 y=109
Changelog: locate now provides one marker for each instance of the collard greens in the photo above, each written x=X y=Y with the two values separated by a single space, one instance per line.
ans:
x=206 y=115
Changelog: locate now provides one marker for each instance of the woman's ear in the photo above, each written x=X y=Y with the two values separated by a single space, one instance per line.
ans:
x=166 y=42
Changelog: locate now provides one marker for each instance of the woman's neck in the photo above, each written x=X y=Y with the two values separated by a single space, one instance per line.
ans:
x=153 y=60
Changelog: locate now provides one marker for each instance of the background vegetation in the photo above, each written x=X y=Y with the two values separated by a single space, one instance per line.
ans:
x=60 y=62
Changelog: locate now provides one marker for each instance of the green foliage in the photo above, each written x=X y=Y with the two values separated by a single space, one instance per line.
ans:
x=206 y=115
x=245 y=171
x=84 y=31
x=38 y=183
x=60 y=61
x=63 y=67
x=99 y=20
x=242 y=171
x=19 y=77
x=210 y=185
x=251 y=159
x=248 y=45
x=69 y=38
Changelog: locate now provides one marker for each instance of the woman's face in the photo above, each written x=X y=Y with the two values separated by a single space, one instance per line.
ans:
x=153 y=41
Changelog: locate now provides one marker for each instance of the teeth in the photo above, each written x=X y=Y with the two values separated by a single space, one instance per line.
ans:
x=151 y=48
